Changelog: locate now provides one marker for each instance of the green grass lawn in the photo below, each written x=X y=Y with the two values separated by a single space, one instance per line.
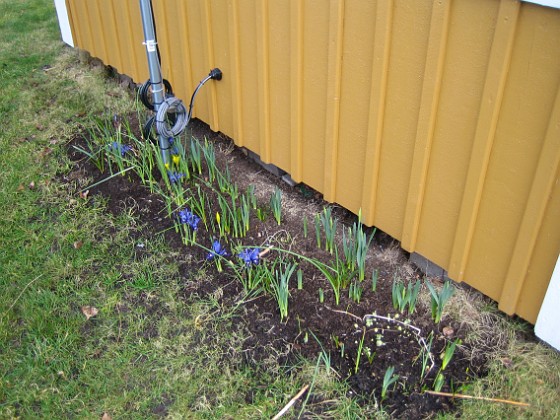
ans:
x=146 y=353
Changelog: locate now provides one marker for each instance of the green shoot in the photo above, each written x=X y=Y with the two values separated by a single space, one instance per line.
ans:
x=448 y=353
x=196 y=156
x=276 y=205
x=251 y=198
x=425 y=353
x=329 y=225
x=388 y=379
x=440 y=299
x=359 y=354
x=210 y=158
x=439 y=381
x=279 y=287
x=299 y=279
x=370 y=354
x=405 y=296
x=374 y=278
x=355 y=291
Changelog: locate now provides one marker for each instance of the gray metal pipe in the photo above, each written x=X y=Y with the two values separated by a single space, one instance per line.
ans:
x=154 y=66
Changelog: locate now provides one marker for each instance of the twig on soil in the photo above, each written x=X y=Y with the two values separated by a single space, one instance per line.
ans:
x=290 y=403
x=416 y=331
x=472 y=397
x=265 y=251
x=345 y=313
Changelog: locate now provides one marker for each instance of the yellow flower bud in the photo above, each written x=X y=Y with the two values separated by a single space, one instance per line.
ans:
x=218 y=217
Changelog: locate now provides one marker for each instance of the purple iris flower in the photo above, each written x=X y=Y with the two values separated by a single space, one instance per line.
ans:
x=175 y=177
x=187 y=217
x=123 y=149
x=250 y=256
x=217 y=249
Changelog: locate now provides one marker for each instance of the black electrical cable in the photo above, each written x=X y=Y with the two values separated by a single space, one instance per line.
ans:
x=172 y=116
x=147 y=130
x=215 y=74
x=145 y=93
x=155 y=32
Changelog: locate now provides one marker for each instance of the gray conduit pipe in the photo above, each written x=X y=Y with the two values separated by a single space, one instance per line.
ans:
x=156 y=78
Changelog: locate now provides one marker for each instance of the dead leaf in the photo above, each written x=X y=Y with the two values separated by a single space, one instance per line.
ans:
x=89 y=311
x=78 y=244
x=448 y=331
x=53 y=141
x=20 y=187
x=106 y=416
x=45 y=152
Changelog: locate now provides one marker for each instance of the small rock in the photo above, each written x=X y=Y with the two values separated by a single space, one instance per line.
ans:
x=448 y=331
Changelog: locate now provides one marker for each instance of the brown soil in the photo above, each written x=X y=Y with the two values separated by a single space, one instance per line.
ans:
x=311 y=326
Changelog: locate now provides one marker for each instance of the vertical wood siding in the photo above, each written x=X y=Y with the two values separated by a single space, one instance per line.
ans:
x=440 y=120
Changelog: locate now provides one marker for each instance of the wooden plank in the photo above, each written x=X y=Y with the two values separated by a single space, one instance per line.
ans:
x=500 y=57
x=296 y=94
x=380 y=66
x=235 y=66
x=543 y=183
x=334 y=80
x=210 y=61
x=437 y=43
x=263 y=76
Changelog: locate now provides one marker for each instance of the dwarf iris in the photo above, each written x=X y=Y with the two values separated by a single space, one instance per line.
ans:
x=217 y=249
x=123 y=149
x=174 y=177
x=250 y=256
x=187 y=217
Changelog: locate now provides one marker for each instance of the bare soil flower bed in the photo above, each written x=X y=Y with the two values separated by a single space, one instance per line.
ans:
x=362 y=340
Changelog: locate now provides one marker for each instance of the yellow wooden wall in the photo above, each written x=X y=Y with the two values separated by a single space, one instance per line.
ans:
x=439 y=119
